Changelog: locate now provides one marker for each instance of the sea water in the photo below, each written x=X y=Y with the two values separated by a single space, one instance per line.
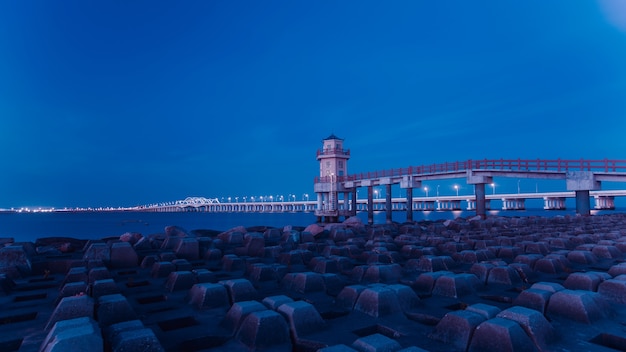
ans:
x=96 y=225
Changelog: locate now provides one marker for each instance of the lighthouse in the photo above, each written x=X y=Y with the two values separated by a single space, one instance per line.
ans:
x=333 y=159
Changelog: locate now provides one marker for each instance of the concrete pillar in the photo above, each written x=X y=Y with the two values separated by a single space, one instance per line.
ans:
x=354 y=202
x=582 y=182
x=388 y=209
x=370 y=205
x=582 y=202
x=409 y=204
x=480 y=200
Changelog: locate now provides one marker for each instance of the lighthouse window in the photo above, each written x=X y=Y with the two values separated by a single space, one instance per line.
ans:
x=340 y=164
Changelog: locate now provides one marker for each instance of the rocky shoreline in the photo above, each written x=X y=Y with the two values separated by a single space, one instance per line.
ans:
x=497 y=284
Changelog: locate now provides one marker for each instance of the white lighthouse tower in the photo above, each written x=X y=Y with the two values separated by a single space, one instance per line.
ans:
x=333 y=173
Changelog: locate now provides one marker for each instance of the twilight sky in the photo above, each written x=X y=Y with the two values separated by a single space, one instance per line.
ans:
x=121 y=103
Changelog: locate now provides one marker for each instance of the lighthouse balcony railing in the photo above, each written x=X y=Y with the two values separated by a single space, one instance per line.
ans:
x=333 y=151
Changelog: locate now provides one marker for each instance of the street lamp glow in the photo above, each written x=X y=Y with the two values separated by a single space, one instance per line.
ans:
x=493 y=186
x=456 y=187
x=426 y=190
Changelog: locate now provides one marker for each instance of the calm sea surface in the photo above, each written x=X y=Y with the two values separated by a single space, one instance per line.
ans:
x=95 y=225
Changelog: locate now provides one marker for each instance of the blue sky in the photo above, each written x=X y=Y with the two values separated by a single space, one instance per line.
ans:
x=120 y=103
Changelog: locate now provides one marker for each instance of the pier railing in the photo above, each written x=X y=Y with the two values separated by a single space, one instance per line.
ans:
x=558 y=165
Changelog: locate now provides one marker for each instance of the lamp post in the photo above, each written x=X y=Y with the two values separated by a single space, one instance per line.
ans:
x=426 y=190
x=437 y=190
x=493 y=187
x=518 y=189
x=457 y=189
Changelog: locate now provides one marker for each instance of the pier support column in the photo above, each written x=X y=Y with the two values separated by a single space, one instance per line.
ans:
x=388 y=209
x=583 y=206
x=370 y=205
x=409 y=204
x=354 y=202
x=479 y=182
x=480 y=200
x=408 y=183
x=582 y=182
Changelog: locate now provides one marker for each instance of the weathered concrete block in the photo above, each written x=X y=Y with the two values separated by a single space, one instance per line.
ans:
x=323 y=265
x=79 y=334
x=601 y=251
x=188 y=248
x=240 y=290
x=98 y=273
x=549 y=266
x=148 y=261
x=548 y=286
x=406 y=296
x=500 y=334
x=70 y=308
x=456 y=285
x=273 y=302
x=425 y=282
x=104 y=287
x=123 y=255
x=114 y=309
x=204 y=275
x=486 y=310
x=378 y=301
x=503 y=275
x=308 y=282
x=238 y=312
x=142 y=340
x=618 y=269
x=581 y=306
x=385 y=273
x=528 y=259
x=436 y=263
x=533 y=322
x=208 y=295
x=582 y=257
x=534 y=298
x=232 y=262
x=254 y=245
x=264 y=329
x=348 y=296
x=260 y=272
x=613 y=290
x=376 y=342
x=98 y=251
x=182 y=264
x=162 y=269
x=72 y=289
x=302 y=318
x=76 y=274
x=180 y=280
x=457 y=327
x=583 y=281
